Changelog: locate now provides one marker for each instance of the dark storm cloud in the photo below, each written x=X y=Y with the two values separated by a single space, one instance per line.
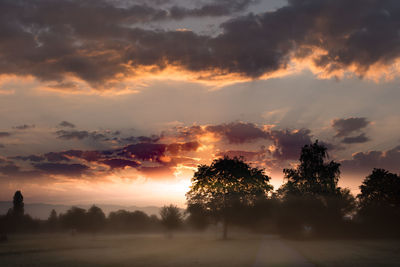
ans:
x=33 y=158
x=4 y=134
x=55 y=157
x=62 y=169
x=86 y=155
x=66 y=124
x=289 y=143
x=364 y=162
x=24 y=127
x=215 y=8
x=145 y=151
x=238 y=132
x=79 y=135
x=141 y=139
x=345 y=127
x=68 y=135
x=120 y=163
x=247 y=155
x=189 y=133
x=362 y=138
x=9 y=169
x=89 y=156
x=97 y=42
x=177 y=148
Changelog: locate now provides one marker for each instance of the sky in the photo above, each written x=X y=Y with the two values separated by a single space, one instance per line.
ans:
x=118 y=102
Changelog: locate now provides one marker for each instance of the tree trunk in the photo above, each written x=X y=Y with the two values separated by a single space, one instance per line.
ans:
x=225 y=229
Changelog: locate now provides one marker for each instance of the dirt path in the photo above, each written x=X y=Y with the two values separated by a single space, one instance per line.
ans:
x=274 y=252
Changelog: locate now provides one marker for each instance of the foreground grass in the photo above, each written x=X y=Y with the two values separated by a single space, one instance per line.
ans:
x=349 y=252
x=128 y=250
x=193 y=250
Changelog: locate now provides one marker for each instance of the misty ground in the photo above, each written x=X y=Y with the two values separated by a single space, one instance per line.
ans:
x=193 y=250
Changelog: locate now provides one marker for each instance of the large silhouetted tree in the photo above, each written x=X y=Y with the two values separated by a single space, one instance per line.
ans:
x=225 y=185
x=379 y=200
x=311 y=195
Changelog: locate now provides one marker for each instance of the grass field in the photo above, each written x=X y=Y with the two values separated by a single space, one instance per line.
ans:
x=192 y=250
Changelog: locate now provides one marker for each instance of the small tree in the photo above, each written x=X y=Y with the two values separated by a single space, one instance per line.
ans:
x=225 y=185
x=171 y=218
x=52 y=221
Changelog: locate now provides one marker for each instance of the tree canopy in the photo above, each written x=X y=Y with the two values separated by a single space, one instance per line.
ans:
x=379 y=200
x=313 y=176
x=171 y=217
x=380 y=188
x=311 y=195
x=225 y=184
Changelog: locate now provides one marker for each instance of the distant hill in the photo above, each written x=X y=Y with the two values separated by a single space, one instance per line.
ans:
x=42 y=210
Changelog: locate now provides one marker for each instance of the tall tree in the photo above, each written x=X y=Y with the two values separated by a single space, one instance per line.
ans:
x=311 y=195
x=226 y=184
x=313 y=176
x=52 y=221
x=18 y=204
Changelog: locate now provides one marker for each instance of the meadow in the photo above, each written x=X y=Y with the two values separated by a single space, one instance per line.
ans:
x=188 y=249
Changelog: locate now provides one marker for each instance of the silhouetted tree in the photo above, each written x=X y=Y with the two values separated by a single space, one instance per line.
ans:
x=96 y=219
x=53 y=216
x=136 y=221
x=379 y=200
x=226 y=185
x=311 y=196
x=16 y=220
x=262 y=216
x=52 y=221
x=18 y=204
x=171 y=218
x=313 y=176
x=75 y=219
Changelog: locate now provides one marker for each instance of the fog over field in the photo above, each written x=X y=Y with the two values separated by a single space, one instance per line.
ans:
x=190 y=249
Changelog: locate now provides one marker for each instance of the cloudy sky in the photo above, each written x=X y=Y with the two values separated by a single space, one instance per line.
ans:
x=118 y=101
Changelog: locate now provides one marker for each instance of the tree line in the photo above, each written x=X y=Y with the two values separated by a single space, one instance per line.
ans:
x=230 y=192
x=93 y=220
